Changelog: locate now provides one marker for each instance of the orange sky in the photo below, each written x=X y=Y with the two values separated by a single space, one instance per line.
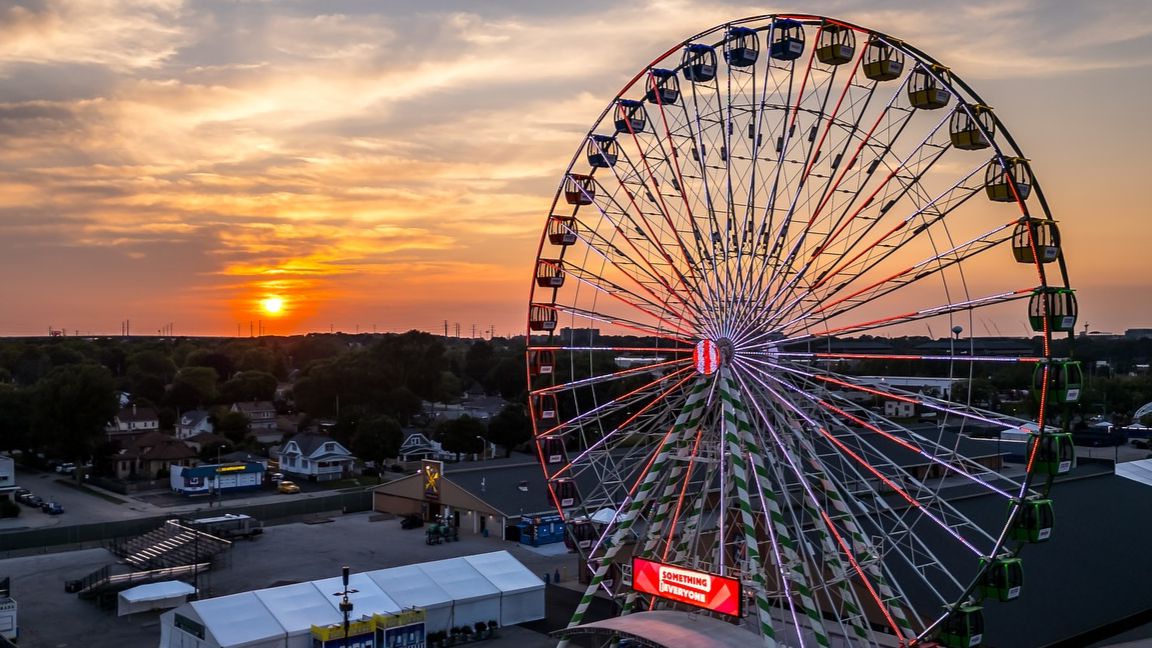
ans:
x=172 y=162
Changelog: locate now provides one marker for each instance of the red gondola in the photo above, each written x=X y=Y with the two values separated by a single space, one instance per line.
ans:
x=561 y=230
x=549 y=273
x=579 y=189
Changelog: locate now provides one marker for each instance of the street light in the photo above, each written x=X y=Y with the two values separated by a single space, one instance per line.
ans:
x=345 y=604
x=484 y=452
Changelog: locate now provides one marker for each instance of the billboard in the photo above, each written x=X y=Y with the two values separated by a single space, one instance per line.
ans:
x=701 y=589
x=432 y=471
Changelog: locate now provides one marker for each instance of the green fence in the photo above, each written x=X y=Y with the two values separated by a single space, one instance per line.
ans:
x=102 y=532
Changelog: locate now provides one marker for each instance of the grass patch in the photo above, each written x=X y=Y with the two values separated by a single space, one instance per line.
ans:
x=95 y=493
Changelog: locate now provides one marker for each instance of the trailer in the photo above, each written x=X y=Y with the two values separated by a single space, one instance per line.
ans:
x=229 y=526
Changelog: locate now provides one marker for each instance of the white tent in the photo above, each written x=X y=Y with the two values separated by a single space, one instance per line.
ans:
x=521 y=591
x=297 y=608
x=476 y=599
x=369 y=599
x=238 y=621
x=453 y=592
x=410 y=587
x=153 y=596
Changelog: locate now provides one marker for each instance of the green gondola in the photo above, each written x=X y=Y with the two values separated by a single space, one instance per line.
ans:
x=1003 y=579
x=1055 y=454
x=1053 y=309
x=964 y=628
x=1065 y=381
x=1035 y=521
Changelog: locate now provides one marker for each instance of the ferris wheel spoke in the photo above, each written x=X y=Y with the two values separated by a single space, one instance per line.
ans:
x=849 y=443
x=875 y=388
x=820 y=487
x=645 y=275
x=672 y=320
x=587 y=315
x=629 y=222
x=793 y=332
x=907 y=172
x=883 y=519
x=831 y=356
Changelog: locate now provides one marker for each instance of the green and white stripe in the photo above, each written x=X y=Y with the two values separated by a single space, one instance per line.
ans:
x=692 y=410
x=738 y=435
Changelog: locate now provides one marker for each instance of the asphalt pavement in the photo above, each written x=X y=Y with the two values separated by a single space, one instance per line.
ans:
x=286 y=553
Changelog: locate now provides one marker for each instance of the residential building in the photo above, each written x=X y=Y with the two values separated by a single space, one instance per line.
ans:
x=261 y=414
x=315 y=457
x=416 y=446
x=7 y=475
x=132 y=421
x=206 y=440
x=150 y=454
x=192 y=423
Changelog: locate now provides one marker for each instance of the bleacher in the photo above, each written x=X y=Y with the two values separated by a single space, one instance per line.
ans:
x=171 y=545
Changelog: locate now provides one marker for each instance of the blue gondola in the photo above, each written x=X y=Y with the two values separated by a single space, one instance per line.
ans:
x=787 y=39
x=699 y=63
x=742 y=47
x=663 y=87
x=603 y=151
x=630 y=116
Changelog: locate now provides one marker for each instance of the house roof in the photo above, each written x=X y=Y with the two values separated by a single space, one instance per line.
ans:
x=206 y=438
x=129 y=414
x=157 y=446
x=192 y=418
x=310 y=443
x=253 y=406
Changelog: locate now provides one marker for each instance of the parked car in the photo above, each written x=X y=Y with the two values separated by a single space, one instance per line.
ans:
x=66 y=468
x=276 y=477
x=19 y=493
x=288 y=487
x=32 y=500
x=52 y=508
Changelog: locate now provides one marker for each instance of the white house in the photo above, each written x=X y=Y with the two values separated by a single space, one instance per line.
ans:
x=7 y=474
x=316 y=457
x=193 y=422
x=261 y=414
x=417 y=446
x=133 y=421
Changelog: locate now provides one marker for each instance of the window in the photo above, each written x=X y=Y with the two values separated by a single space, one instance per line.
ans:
x=329 y=447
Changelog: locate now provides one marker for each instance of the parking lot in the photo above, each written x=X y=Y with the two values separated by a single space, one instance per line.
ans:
x=287 y=553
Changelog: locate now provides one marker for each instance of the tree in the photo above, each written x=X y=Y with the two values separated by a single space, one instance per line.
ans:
x=234 y=426
x=377 y=438
x=510 y=427
x=478 y=360
x=211 y=358
x=257 y=359
x=460 y=435
x=249 y=386
x=193 y=387
x=71 y=407
x=15 y=417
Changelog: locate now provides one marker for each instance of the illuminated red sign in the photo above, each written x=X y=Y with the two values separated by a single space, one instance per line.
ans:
x=701 y=589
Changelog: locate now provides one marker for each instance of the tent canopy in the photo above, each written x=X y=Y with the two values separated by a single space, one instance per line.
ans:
x=157 y=591
x=505 y=572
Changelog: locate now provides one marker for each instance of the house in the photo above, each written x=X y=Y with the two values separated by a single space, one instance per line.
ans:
x=416 y=446
x=150 y=454
x=7 y=476
x=261 y=414
x=206 y=440
x=192 y=423
x=315 y=457
x=132 y=421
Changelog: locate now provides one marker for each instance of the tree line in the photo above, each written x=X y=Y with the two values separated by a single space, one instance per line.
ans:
x=58 y=395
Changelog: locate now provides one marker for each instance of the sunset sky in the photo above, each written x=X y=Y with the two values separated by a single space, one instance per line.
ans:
x=389 y=164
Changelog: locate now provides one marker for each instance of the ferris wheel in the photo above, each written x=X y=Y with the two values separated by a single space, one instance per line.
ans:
x=725 y=380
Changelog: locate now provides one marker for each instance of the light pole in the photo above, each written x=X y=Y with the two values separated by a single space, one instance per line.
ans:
x=484 y=452
x=345 y=604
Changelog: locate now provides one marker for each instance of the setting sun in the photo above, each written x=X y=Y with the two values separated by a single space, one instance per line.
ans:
x=273 y=305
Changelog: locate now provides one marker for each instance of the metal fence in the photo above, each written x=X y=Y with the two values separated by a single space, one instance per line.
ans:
x=103 y=532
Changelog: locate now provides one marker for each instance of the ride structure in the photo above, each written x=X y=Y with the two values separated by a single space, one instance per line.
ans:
x=750 y=204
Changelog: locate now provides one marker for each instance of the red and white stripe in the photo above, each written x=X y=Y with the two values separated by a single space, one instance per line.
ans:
x=706 y=356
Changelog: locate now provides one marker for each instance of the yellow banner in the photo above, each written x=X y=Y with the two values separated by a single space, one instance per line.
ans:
x=355 y=629
x=407 y=617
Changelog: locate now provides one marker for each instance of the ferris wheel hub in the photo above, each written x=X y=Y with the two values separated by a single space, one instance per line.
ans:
x=710 y=355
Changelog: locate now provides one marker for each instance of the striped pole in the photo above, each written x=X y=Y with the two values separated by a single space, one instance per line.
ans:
x=696 y=401
x=736 y=431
